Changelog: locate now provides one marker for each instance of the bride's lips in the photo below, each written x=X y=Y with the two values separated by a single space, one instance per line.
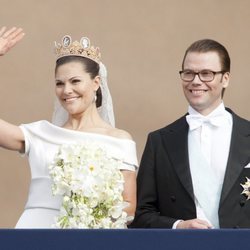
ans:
x=71 y=99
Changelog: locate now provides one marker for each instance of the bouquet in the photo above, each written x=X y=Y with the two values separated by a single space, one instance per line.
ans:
x=91 y=185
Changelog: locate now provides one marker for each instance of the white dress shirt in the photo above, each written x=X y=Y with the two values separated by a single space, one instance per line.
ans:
x=214 y=142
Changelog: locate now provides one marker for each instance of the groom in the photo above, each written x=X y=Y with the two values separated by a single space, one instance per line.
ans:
x=193 y=172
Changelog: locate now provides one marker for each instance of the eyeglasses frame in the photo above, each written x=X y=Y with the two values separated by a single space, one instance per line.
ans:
x=197 y=73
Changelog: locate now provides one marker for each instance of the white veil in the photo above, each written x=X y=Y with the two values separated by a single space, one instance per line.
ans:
x=106 y=112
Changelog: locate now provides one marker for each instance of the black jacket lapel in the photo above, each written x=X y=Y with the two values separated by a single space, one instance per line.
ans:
x=176 y=143
x=238 y=155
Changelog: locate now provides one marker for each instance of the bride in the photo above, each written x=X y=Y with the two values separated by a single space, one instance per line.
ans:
x=83 y=112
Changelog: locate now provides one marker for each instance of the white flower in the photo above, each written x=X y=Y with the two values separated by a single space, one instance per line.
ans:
x=91 y=185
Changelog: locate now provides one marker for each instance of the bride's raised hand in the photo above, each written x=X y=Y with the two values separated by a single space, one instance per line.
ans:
x=9 y=38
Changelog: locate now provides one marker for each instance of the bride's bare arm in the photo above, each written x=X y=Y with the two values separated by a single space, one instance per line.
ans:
x=11 y=136
x=129 y=193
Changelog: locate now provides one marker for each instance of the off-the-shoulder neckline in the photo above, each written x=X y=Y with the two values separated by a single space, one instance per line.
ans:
x=87 y=133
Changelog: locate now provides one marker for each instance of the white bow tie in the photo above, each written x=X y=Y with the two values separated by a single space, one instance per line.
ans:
x=195 y=121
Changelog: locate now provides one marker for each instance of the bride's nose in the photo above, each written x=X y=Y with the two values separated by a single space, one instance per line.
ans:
x=67 y=88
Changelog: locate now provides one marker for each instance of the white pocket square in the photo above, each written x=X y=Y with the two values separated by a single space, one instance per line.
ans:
x=248 y=165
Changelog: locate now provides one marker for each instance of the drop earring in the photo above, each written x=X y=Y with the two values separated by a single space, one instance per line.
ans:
x=95 y=97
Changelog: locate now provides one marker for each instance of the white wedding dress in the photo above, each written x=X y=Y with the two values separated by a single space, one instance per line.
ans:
x=42 y=140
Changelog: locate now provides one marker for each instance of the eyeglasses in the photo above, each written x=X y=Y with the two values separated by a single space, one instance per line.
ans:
x=204 y=75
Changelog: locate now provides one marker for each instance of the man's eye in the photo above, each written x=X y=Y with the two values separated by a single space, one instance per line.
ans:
x=188 y=73
x=205 y=73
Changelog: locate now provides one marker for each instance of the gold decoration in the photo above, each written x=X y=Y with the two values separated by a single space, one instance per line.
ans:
x=82 y=48
x=246 y=188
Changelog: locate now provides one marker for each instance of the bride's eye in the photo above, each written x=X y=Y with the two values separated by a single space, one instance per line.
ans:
x=59 y=83
x=75 y=81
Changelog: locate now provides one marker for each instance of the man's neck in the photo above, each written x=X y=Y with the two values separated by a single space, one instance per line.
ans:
x=192 y=110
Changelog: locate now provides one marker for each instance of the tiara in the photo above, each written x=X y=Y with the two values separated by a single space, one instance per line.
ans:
x=82 y=48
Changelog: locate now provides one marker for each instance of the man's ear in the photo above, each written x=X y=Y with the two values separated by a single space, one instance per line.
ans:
x=225 y=79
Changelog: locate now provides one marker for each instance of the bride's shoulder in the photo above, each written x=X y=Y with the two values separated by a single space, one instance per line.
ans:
x=119 y=133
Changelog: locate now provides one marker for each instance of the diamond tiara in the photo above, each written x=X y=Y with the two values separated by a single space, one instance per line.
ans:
x=82 y=48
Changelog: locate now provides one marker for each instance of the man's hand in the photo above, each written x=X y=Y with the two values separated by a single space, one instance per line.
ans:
x=193 y=224
x=9 y=38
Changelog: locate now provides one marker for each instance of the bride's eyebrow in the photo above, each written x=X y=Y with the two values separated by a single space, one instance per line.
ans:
x=58 y=80
x=75 y=77
x=71 y=78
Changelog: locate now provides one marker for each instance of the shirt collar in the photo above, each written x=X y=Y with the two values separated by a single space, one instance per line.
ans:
x=217 y=111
